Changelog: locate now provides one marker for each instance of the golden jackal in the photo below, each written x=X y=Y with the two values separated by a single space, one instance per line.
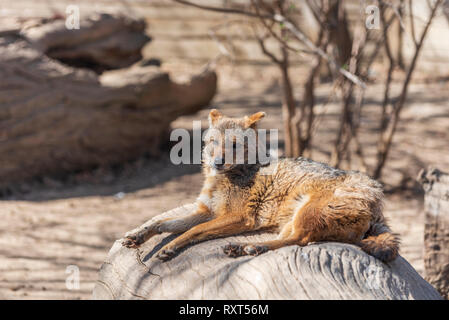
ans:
x=302 y=200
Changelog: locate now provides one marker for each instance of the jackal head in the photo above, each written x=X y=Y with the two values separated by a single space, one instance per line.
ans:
x=231 y=142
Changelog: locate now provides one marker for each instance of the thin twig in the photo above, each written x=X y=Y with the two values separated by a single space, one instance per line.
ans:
x=377 y=46
x=391 y=65
x=314 y=9
x=306 y=41
x=261 y=41
x=219 y=9
x=269 y=28
x=412 y=22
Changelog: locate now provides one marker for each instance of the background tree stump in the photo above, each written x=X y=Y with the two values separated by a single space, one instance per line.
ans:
x=203 y=271
x=56 y=118
x=436 y=230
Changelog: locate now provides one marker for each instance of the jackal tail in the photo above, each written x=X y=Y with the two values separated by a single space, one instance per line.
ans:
x=381 y=243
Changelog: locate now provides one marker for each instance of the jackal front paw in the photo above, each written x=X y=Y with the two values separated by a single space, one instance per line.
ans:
x=255 y=249
x=238 y=250
x=134 y=240
x=233 y=250
x=165 y=254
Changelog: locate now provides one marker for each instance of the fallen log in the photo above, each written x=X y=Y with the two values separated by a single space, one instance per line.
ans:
x=103 y=41
x=56 y=118
x=203 y=271
x=436 y=229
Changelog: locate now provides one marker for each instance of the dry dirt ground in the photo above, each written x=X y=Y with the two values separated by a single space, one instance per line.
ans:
x=53 y=225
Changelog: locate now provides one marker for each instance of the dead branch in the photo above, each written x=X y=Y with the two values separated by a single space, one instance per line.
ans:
x=308 y=43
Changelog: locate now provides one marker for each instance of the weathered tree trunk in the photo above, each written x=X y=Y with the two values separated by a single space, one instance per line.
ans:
x=203 y=271
x=436 y=231
x=56 y=118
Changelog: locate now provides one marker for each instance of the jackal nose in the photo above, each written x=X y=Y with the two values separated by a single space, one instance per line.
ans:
x=218 y=163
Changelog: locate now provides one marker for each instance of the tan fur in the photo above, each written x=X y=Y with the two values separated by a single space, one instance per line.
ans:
x=302 y=200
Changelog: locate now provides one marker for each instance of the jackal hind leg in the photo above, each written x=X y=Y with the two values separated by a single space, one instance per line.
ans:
x=255 y=249
x=292 y=233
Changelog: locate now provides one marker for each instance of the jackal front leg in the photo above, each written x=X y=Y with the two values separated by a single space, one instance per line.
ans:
x=216 y=228
x=176 y=225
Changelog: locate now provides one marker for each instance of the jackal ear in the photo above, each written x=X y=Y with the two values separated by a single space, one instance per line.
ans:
x=214 y=116
x=251 y=120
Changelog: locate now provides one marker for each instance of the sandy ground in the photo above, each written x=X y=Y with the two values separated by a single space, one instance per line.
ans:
x=54 y=225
